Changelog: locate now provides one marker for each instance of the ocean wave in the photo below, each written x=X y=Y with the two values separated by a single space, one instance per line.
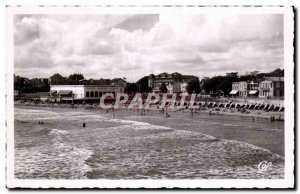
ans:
x=232 y=125
x=58 y=132
x=137 y=125
x=75 y=158
x=269 y=130
x=57 y=161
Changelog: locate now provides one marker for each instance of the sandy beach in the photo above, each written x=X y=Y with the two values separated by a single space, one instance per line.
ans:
x=253 y=114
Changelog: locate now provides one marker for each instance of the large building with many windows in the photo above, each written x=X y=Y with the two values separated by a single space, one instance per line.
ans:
x=172 y=81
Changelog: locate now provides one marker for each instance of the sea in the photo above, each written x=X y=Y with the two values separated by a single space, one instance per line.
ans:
x=128 y=145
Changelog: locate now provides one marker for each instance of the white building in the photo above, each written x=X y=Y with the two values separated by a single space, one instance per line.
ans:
x=243 y=89
x=272 y=87
x=183 y=88
x=235 y=88
x=170 y=88
x=83 y=92
x=266 y=89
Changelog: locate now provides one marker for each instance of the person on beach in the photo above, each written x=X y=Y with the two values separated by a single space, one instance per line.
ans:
x=272 y=118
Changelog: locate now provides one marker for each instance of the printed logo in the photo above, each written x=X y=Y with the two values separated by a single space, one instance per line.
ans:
x=263 y=166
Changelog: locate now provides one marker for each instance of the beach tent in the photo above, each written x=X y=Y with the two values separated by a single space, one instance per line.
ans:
x=277 y=108
x=266 y=107
x=271 y=107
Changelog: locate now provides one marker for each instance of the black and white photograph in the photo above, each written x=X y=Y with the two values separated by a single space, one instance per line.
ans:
x=129 y=97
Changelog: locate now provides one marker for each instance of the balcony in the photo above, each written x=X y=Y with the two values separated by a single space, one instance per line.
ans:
x=265 y=89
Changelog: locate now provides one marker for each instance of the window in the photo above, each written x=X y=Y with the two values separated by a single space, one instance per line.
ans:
x=100 y=94
x=87 y=94
x=92 y=94
x=96 y=94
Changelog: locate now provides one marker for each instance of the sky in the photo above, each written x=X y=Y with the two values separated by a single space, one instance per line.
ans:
x=132 y=46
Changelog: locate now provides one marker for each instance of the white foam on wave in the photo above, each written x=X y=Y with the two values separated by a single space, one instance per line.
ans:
x=33 y=114
x=56 y=161
x=254 y=148
x=58 y=132
x=48 y=114
x=270 y=130
x=232 y=125
x=75 y=158
x=137 y=125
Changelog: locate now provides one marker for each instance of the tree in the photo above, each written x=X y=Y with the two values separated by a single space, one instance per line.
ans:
x=277 y=73
x=232 y=74
x=177 y=77
x=163 y=88
x=217 y=83
x=19 y=83
x=76 y=76
x=131 y=88
x=193 y=86
x=143 y=85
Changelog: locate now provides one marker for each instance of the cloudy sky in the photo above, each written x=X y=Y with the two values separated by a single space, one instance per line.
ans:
x=107 y=46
